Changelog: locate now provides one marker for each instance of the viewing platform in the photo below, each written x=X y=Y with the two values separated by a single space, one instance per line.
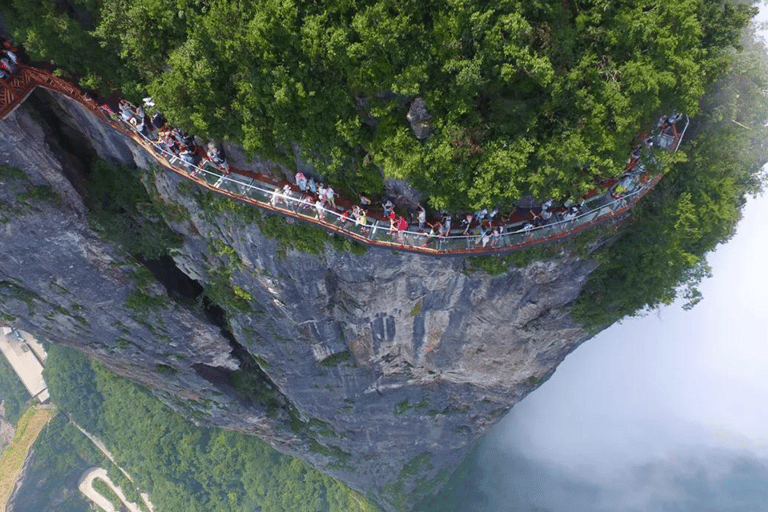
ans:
x=27 y=356
x=254 y=189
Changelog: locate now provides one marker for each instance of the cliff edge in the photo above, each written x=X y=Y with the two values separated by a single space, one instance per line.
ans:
x=379 y=368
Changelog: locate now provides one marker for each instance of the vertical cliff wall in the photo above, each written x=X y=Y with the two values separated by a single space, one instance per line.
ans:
x=377 y=367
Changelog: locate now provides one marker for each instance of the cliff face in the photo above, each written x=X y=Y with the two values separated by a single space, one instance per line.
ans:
x=378 y=368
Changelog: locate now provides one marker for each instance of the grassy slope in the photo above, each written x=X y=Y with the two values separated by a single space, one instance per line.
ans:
x=12 y=459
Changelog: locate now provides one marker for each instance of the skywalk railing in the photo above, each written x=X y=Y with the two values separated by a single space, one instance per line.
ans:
x=240 y=186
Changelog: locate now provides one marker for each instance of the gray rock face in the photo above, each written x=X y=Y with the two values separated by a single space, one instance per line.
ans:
x=392 y=364
x=418 y=117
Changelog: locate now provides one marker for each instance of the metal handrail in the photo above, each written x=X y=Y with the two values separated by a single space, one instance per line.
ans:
x=246 y=190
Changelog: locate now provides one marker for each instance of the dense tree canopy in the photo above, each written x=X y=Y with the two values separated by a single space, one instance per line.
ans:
x=526 y=96
x=183 y=467
x=661 y=254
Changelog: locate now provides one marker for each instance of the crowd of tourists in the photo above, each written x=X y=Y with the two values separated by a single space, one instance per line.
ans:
x=481 y=228
x=176 y=145
x=9 y=60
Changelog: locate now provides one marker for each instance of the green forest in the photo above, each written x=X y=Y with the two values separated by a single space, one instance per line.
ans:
x=13 y=394
x=181 y=466
x=529 y=97
x=659 y=254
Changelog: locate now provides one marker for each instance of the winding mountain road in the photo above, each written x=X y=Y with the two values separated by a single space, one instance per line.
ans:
x=85 y=484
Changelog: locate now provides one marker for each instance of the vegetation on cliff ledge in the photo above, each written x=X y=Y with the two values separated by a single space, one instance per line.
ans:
x=521 y=97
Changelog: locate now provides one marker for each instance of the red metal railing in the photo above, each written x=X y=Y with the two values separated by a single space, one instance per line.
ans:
x=243 y=186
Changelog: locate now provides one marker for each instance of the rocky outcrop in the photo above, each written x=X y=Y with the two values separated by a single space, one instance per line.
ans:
x=379 y=368
x=418 y=117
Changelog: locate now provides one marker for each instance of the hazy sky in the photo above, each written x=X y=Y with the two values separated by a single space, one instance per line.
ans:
x=668 y=412
x=663 y=412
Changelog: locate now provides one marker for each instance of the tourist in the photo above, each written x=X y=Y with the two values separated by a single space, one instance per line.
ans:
x=275 y=199
x=8 y=66
x=434 y=231
x=496 y=236
x=126 y=111
x=362 y=221
x=169 y=142
x=331 y=197
x=321 y=192
x=301 y=181
x=436 y=228
x=141 y=127
x=466 y=223
x=401 y=224
x=319 y=209
x=188 y=157
x=422 y=217
x=483 y=235
x=217 y=159
x=446 y=224
x=391 y=218
x=158 y=120
x=306 y=202
x=387 y=205
x=11 y=53
x=528 y=229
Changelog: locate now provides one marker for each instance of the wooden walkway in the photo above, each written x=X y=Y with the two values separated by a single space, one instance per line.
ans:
x=245 y=186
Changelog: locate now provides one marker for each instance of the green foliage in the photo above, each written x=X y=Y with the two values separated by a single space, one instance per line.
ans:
x=61 y=454
x=184 y=467
x=344 y=244
x=71 y=382
x=402 y=407
x=40 y=194
x=397 y=492
x=127 y=486
x=223 y=292
x=164 y=369
x=101 y=487
x=535 y=98
x=343 y=357
x=14 y=291
x=12 y=392
x=452 y=488
x=11 y=173
x=661 y=255
x=142 y=302
x=122 y=211
x=251 y=383
x=492 y=265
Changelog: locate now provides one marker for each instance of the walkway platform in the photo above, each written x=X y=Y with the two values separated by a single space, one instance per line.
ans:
x=26 y=356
